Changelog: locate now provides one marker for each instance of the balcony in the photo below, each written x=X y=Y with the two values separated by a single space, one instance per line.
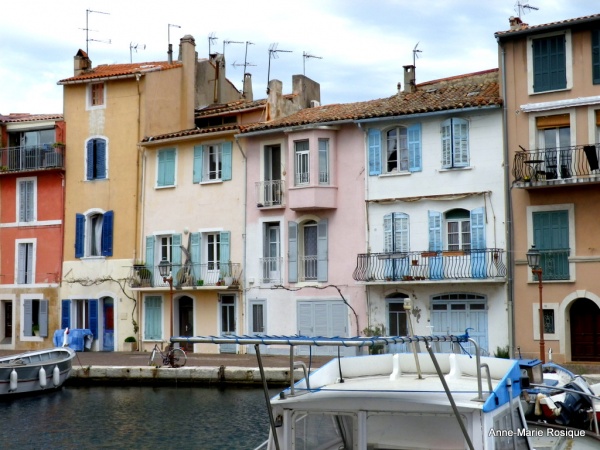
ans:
x=269 y=194
x=30 y=158
x=557 y=166
x=271 y=269
x=484 y=264
x=188 y=275
x=555 y=264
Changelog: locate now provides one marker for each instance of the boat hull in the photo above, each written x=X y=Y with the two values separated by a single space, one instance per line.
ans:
x=35 y=372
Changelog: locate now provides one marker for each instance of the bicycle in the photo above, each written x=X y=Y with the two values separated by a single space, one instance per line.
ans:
x=173 y=357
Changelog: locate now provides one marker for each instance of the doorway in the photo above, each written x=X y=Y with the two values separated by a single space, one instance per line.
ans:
x=227 y=313
x=108 y=324
x=186 y=321
x=585 y=330
x=7 y=325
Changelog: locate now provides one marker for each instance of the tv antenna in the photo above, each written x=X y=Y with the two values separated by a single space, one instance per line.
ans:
x=170 y=47
x=416 y=54
x=273 y=54
x=134 y=46
x=520 y=8
x=87 y=29
x=305 y=56
x=211 y=39
x=225 y=42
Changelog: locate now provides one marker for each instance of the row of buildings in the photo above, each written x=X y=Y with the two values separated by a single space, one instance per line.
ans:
x=407 y=214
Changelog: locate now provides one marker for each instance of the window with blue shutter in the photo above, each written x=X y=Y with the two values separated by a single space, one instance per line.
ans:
x=322 y=250
x=227 y=161
x=150 y=258
x=414 y=148
x=196 y=254
x=79 y=235
x=65 y=314
x=292 y=252
x=107 y=233
x=152 y=317
x=436 y=267
x=93 y=310
x=26 y=207
x=374 y=136
x=225 y=251
x=549 y=63
x=198 y=156
x=96 y=154
x=478 y=246
x=94 y=234
x=455 y=143
x=596 y=56
x=166 y=167
x=396 y=241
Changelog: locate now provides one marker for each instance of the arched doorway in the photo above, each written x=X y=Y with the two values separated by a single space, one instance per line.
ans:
x=108 y=324
x=186 y=320
x=585 y=330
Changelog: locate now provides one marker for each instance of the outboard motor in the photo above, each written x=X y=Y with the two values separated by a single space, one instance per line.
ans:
x=574 y=410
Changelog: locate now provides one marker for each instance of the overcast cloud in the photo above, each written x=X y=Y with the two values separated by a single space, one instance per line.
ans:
x=358 y=46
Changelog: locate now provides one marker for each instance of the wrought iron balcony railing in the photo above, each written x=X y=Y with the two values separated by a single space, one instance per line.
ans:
x=550 y=165
x=32 y=157
x=431 y=265
x=271 y=269
x=187 y=275
x=555 y=264
x=269 y=193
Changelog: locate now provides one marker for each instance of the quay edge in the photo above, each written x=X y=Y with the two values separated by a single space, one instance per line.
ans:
x=165 y=376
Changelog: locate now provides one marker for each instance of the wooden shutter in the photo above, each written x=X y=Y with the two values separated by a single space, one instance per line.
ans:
x=226 y=157
x=414 y=148
x=478 y=256
x=305 y=318
x=65 y=314
x=554 y=121
x=43 y=318
x=374 y=137
x=93 y=307
x=225 y=251
x=549 y=63
x=460 y=141
x=79 y=235
x=198 y=155
x=152 y=317
x=100 y=158
x=387 y=234
x=90 y=160
x=322 y=250
x=195 y=254
x=27 y=317
x=292 y=252
x=107 y=233
x=26 y=203
x=166 y=167
x=436 y=264
x=596 y=56
x=447 y=143
x=150 y=255
x=175 y=252
x=401 y=232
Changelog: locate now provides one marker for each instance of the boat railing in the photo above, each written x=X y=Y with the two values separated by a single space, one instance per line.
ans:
x=589 y=396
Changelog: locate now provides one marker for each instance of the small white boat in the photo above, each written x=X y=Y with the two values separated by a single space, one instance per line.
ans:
x=400 y=401
x=35 y=371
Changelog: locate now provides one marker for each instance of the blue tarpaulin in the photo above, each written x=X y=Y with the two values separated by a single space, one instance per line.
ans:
x=77 y=338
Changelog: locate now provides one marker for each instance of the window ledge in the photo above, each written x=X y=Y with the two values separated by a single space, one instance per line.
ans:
x=402 y=173
x=92 y=258
x=211 y=182
x=170 y=186
x=456 y=169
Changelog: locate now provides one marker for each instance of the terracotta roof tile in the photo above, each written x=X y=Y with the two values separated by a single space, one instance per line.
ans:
x=235 y=106
x=26 y=117
x=116 y=70
x=191 y=132
x=478 y=89
x=526 y=28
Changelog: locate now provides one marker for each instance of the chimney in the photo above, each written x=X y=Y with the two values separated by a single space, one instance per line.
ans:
x=409 y=79
x=247 y=89
x=219 y=61
x=274 y=100
x=187 y=46
x=399 y=87
x=516 y=23
x=81 y=63
x=306 y=91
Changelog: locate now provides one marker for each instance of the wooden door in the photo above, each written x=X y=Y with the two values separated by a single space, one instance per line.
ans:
x=585 y=330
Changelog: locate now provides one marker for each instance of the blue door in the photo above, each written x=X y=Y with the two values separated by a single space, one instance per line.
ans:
x=108 y=325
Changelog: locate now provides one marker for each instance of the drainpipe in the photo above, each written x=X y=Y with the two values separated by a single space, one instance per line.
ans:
x=244 y=242
x=510 y=294
x=140 y=205
x=367 y=225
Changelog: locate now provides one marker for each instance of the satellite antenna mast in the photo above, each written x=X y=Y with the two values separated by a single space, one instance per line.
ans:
x=415 y=54
x=87 y=29
x=225 y=42
x=170 y=47
x=305 y=56
x=246 y=63
x=134 y=46
x=520 y=8
x=273 y=54
x=211 y=38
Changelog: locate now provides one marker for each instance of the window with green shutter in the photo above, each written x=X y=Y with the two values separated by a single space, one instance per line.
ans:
x=166 y=168
x=596 y=56
x=152 y=317
x=549 y=63
x=551 y=238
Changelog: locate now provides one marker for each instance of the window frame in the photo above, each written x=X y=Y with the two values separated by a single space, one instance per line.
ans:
x=31 y=253
x=455 y=145
x=30 y=216
x=396 y=236
x=252 y=316
x=26 y=330
x=166 y=168
x=83 y=234
x=568 y=61
x=96 y=100
x=153 y=326
x=324 y=165
x=96 y=159
x=401 y=148
x=595 y=56
x=201 y=165
x=302 y=162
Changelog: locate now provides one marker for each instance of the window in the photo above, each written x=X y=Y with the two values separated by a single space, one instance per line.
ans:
x=464 y=230
x=402 y=152
x=25 y=262
x=307 y=251
x=270 y=190
x=35 y=317
x=212 y=162
x=596 y=56
x=96 y=158
x=213 y=254
x=271 y=261
x=257 y=317
x=96 y=94
x=395 y=233
x=323 y=161
x=26 y=199
x=302 y=163
x=458 y=223
x=153 y=317
x=551 y=238
x=94 y=234
x=554 y=137
x=166 y=168
x=397 y=325
x=549 y=63
x=165 y=248
x=548 y=321
x=455 y=143
x=80 y=313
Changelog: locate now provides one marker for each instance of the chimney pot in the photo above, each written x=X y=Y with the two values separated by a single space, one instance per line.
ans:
x=409 y=78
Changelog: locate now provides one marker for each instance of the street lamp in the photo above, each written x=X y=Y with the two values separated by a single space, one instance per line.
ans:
x=165 y=271
x=533 y=261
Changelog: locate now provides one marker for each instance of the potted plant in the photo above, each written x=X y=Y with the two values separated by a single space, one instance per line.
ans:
x=130 y=344
x=200 y=282
x=145 y=276
x=35 y=329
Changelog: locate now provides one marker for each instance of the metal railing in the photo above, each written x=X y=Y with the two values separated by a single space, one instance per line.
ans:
x=271 y=269
x=33 y=157
x=187 y=275
x=269 y=193
x=560 y=163
x=307 y=266
x=555 y=264
x=431 y=265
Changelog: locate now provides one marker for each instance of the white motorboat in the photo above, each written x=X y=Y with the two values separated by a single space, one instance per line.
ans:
x=422 y=400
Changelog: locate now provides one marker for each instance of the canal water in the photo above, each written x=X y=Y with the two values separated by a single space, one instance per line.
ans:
x=203 y=418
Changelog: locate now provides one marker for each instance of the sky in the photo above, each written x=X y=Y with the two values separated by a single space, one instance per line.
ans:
x=355 y=49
